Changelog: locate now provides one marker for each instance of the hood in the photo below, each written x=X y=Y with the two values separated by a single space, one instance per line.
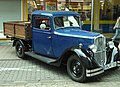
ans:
x=76 y=32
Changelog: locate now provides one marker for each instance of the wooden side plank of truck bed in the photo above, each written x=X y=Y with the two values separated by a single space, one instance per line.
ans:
x=18 y=29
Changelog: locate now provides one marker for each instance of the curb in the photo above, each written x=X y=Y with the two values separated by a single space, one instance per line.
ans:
x=4 y=38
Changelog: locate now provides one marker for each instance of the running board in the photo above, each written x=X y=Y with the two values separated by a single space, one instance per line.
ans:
x=41 y=58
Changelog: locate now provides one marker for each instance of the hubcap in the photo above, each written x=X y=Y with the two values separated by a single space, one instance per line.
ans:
x=76 y=68
x=19 y=49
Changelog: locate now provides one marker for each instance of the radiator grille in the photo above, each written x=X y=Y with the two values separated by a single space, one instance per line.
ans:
x=100 y=55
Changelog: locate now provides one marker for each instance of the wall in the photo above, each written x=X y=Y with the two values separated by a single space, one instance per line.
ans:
x=10 y=10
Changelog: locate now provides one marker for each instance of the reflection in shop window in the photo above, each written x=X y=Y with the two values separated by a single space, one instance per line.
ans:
x=83 y=7
x=80 y=6
x=50 y=5
x=109 y=9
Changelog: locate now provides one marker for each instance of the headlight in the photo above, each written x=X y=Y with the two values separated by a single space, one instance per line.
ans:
x=80 y=45
x=111 y=44
x=119 y=46
x=93 y=48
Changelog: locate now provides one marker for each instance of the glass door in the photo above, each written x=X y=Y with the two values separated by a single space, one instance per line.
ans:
x=109 y=12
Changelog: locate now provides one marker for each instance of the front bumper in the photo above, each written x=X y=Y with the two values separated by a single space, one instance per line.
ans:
x=118 y=63
x=94 y=72
x=97 y=71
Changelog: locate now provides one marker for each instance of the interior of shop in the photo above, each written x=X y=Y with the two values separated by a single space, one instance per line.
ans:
x=105 y=14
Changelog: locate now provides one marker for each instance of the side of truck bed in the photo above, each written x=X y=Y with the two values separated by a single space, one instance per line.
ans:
x=18 y=29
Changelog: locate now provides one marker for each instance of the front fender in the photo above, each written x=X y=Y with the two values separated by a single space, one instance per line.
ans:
x=84 y=58
x=80 y=53
x=112 y=52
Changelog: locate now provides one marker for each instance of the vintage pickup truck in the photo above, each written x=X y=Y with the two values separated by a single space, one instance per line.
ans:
x=56 y=37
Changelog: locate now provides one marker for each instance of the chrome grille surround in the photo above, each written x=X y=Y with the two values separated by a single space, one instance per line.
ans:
x=100 y=54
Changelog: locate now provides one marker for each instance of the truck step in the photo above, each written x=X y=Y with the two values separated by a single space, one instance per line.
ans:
x=41 y=58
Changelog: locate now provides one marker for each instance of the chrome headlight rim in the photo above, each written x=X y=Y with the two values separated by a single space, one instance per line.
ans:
x=93 y=48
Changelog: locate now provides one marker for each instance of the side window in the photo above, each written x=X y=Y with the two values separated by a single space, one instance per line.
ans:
x=42 y=22
x=58 y=22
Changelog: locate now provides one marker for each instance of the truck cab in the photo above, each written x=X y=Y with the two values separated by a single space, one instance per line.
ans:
x=47 y=30
x=58 y=38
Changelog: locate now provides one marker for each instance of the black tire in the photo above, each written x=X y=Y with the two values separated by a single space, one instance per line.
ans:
x=20 y=49
x=76 y=69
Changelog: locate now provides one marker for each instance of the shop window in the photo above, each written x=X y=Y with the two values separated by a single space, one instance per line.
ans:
x=61 y=4
x=37 y=4
x=109 y=9
x=82 y=7
x=109 y=12
x=51 y=5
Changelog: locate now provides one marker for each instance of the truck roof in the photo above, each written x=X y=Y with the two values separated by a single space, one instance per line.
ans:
x=54 y=13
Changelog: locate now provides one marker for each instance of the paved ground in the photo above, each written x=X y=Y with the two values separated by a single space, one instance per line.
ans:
x=15 y=72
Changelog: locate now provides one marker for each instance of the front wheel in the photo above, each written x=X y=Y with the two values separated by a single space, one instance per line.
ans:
x=76 y=69
x=20 y=49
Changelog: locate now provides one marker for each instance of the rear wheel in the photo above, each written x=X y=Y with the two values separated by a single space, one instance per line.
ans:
x=76 y=69
x=20 y=49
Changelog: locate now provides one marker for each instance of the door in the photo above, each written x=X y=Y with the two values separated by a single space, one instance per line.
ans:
x=42 y=37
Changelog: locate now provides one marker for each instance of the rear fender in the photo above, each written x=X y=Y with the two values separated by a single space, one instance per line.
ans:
x=14 y=42
x=22 y=42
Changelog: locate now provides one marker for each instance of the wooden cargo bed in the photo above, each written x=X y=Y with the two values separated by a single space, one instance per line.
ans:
x=18 y=29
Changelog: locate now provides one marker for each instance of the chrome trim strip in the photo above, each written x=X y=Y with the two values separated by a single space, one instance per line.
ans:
x=111 y=65
x=99 y=36
x=97 y=71
x=93 y=72
x=118 y=63
x=104 y=50
x=74 y=35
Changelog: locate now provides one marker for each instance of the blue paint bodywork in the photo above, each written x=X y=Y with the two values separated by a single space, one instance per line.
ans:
x=70 y=37
x=53 y=43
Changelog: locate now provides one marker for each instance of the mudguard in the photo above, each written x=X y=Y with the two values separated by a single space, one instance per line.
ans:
x=80 y=53
x=87 y=61
x=112 y=52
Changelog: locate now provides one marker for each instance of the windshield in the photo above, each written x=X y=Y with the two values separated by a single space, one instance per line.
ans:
x=66 y=21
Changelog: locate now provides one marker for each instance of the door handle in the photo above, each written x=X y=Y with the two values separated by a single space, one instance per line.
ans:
x=49 y=37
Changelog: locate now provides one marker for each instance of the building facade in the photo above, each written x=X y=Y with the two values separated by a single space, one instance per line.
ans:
x=105 y=12
x=102 y=14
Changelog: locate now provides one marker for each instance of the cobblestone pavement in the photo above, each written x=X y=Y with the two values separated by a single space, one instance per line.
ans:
x=15 y=72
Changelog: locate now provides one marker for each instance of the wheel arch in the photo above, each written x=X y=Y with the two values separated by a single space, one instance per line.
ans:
x=79 y=53
x=66 y=55
x=14 y=42
x=23 y=42
x=20 y=40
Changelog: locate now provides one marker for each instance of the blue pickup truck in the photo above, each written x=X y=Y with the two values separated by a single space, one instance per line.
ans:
x=56 y=37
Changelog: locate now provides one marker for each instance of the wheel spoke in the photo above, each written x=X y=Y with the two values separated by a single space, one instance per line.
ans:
x=76 y=68
x=19 y=50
